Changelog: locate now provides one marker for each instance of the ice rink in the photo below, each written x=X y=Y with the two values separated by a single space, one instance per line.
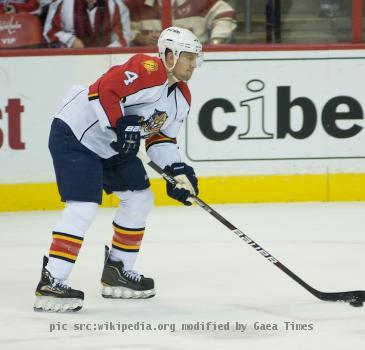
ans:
x=205 y=278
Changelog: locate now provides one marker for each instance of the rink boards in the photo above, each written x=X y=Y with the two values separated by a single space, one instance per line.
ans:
x=263 y=127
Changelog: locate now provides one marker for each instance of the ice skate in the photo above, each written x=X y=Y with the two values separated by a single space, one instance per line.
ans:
x=121 y=284
x=55 y=296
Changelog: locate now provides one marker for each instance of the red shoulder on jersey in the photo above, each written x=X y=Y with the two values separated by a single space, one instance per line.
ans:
x=150 y=69
x=183 y=87
x=138 y=73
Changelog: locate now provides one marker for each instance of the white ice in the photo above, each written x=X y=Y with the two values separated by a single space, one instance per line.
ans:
x=203 y=273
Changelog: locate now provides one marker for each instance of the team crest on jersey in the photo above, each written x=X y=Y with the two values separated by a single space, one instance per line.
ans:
x=154 y=123
x=150 y=66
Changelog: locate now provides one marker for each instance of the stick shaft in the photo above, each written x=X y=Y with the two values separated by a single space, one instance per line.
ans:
x=337 y=296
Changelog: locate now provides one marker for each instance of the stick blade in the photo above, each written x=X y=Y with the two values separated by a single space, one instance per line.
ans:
x=355 y=298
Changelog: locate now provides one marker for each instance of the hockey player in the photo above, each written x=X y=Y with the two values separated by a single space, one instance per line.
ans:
x=94 y=141
x=87 y=23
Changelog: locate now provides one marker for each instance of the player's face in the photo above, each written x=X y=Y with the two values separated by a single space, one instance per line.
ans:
x=185 y=65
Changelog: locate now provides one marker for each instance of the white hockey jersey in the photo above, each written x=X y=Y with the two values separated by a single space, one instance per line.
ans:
x=137 y=87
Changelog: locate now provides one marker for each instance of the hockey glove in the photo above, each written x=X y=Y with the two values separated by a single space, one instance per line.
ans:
x=187 y=183
x=128 y=135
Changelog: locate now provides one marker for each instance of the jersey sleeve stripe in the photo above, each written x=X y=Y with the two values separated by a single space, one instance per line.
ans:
x=159 y=138
x=93 y=96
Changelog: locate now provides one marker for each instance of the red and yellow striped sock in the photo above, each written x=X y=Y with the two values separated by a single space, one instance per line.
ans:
x=126 y=244
x=65 y=246
x=127 y=239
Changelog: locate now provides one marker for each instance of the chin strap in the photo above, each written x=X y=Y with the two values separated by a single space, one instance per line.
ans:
x=170 y=73
x=172 y=76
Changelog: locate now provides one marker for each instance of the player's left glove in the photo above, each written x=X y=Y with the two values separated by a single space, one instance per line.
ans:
x=187 y=183
x=128 y=135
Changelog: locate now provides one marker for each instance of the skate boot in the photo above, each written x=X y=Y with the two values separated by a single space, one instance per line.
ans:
x=121 y=284
x=55 y=296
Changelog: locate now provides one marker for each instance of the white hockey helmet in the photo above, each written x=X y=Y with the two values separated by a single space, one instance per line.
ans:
x=178 y=40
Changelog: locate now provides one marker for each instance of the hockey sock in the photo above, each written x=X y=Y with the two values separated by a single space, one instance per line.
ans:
x=67 y=237
x=63 y=254
x=125 y=245
x=129 y=225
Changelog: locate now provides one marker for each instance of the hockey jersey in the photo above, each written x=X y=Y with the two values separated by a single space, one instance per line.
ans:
x=139 y=86
x=104 y=25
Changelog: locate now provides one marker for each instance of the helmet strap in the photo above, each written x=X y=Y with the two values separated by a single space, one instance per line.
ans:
x=172 y=77
x=170 y=71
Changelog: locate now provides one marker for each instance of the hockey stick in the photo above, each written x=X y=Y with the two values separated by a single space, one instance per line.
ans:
x=354 y=298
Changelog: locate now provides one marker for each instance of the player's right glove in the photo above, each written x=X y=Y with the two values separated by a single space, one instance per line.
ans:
x=128 y=135
x=187 y=183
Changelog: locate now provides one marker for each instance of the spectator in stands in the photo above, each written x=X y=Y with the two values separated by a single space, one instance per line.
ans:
x=212 y=21
x=16 y=6
x=87 y=23
x=43 y=10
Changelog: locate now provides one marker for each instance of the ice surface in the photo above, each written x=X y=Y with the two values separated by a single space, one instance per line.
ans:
x=203 y=273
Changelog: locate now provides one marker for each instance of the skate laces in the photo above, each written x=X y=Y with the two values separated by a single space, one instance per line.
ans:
x=133 y=275
x=60 y=284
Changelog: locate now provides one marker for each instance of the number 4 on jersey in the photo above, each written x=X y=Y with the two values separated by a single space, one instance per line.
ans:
x=131 y=77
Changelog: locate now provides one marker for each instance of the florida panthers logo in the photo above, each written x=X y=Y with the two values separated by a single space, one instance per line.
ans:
x=150 y=66
x=154 y=123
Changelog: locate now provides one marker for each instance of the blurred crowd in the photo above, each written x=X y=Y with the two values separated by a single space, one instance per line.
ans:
x=108 y=23
x=127 y=23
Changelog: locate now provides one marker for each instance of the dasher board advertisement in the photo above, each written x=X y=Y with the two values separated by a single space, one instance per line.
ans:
x=278 y=108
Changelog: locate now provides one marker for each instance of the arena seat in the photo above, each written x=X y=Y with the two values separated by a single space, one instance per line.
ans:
x=20 y=30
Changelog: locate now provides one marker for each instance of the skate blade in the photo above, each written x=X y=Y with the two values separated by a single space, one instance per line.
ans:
x=52 y=304
x=126 y=293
